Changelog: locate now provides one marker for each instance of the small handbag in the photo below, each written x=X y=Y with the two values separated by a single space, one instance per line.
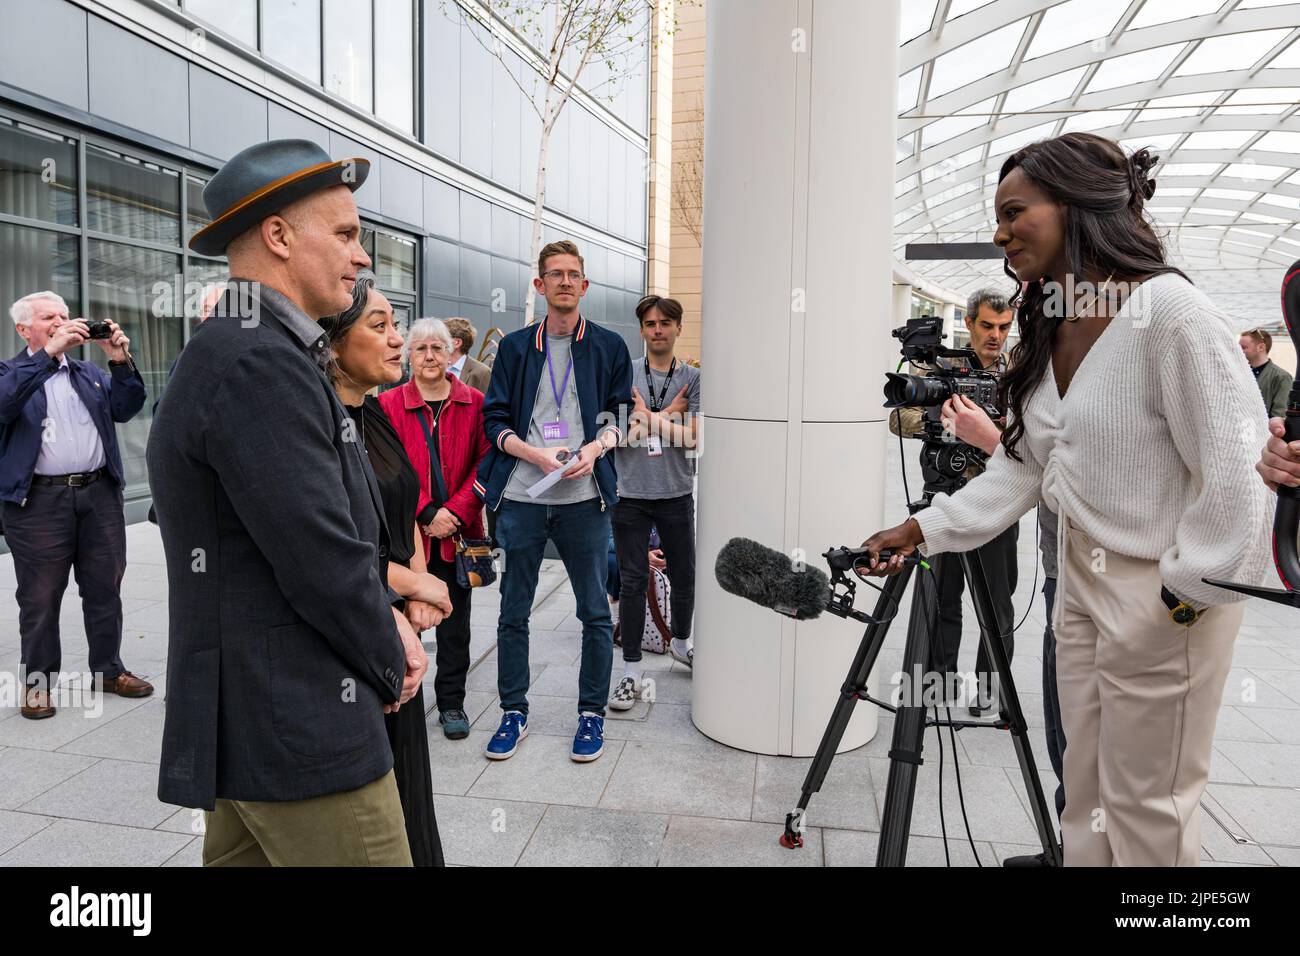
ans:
x=474 y=565
x=473 y=560
x=657 y=633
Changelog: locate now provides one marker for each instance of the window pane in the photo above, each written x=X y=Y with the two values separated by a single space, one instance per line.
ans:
x=129 y=286
x=201 y=275
x=129 y=197
x=35 y=260
x=395 y=63
x=38 y=174
x=395 y=262
x=348 y=65
x=195 y=212
x=236 y=17
x=291 y=35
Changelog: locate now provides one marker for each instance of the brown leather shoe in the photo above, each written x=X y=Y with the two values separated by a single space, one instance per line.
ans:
x=37 y=704
x=127 y=684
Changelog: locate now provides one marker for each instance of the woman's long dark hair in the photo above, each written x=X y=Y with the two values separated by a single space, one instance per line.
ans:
x=1104 y=192
x=338 y=326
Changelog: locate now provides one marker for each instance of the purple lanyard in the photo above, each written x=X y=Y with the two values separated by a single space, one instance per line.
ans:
x=559 y=394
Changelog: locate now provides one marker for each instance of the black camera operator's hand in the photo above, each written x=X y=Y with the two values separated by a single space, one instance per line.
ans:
x=902 y=540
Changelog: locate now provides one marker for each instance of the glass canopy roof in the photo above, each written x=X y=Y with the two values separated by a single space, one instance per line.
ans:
x=1213 y=86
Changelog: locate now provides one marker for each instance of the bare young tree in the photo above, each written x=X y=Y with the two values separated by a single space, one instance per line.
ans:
x=568 y=36
x=688 y=173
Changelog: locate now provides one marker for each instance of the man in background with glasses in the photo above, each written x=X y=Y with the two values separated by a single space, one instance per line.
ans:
x=558 y=393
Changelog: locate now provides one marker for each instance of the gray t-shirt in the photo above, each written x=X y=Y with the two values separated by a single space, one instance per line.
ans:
x=671 y=474
x=568 y=490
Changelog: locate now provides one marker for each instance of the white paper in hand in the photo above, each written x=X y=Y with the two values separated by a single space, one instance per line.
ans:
x=553 y=478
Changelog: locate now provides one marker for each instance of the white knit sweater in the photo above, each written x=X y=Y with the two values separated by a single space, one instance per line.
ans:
x=1151 y=452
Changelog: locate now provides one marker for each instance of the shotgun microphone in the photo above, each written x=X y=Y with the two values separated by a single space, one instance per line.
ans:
x=771 y=579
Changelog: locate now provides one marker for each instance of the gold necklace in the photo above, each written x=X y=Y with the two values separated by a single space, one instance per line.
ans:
x=1092 y=301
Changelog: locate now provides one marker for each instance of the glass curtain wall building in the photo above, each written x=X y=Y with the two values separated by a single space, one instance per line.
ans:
x=1211 y=86
x=103 y=160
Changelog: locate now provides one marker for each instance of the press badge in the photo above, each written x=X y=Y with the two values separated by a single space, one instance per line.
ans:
x=555 y=430
x=654 y=448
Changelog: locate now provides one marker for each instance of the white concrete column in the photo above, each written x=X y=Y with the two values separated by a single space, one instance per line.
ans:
x=901 y=304
x=800 y=108
x=949 y=321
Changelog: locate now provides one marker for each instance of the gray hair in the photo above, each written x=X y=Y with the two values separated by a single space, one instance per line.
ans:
x=993 y=299
x=21 y=311
x=428 y=328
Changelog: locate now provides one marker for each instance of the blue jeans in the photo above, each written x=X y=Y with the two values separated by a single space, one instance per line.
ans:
x=1052 y=700
x=581 y=534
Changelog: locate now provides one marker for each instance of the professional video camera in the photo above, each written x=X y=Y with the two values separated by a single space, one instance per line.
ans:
x=769 y=578
x=944 y=459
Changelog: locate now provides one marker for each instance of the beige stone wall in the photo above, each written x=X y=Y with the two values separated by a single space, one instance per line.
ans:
x=659 y=208
x=688 y=169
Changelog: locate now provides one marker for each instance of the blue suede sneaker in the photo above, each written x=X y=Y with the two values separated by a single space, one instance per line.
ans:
x=589 y=741
x=514 y=728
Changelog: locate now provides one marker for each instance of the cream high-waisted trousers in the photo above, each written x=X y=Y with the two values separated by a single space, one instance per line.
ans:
x=1139 y=700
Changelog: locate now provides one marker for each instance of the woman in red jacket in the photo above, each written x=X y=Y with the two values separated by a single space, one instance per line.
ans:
x=436 y=410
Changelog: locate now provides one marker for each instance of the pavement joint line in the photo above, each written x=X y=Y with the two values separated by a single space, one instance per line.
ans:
x=429 y=709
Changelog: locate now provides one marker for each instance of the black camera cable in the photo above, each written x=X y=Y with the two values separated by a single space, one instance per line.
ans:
x=934 y=623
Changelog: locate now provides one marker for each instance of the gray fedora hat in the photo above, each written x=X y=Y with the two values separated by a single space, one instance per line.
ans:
x=263 y=179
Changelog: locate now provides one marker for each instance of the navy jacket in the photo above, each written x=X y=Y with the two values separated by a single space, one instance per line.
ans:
x=113 y=396
x=602 y=370
x=281 y=646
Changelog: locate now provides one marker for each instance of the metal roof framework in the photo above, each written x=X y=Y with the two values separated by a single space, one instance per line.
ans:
x=1213 y=86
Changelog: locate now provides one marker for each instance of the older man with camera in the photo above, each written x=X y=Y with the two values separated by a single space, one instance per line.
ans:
x=988 y=320
x=61 y=482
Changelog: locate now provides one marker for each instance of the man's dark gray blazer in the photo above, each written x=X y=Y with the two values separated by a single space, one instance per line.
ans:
x=282 y=644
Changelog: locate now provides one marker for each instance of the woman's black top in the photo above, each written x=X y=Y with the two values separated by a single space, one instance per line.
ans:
x=399 y=491
x=399 y=487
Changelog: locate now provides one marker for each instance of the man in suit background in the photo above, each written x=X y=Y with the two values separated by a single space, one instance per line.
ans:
x=285 y=649
x=470 y=371
x=61 y=484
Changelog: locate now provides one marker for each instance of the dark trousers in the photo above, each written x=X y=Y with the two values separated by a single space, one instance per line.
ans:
x=675 y=520
x=452 y=658
x=62 y=528
x=1052 y=701
x=999 y=560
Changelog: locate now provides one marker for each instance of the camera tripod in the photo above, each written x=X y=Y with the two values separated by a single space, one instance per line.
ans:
x=910 y=717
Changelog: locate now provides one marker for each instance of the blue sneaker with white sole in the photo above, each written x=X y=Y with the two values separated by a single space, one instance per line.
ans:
x=589 y=741
x=514 y=728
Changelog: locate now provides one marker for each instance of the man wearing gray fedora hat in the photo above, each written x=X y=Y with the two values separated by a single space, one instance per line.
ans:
x=286 y=647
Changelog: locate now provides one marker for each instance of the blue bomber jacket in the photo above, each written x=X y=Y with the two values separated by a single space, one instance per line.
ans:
x=602 y=369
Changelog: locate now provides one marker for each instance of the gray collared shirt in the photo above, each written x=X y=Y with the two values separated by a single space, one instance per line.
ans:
x=70 y=442
x=304 y=328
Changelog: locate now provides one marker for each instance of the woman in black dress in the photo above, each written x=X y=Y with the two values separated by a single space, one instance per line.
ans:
x=367 y=352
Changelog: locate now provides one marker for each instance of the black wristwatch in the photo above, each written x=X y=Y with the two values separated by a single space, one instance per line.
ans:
x=1180 y=612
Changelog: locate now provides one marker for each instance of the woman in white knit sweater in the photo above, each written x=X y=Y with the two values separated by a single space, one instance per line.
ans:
x=1134 y=415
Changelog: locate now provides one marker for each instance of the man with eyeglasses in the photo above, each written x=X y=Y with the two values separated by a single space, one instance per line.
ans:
x=558 y=392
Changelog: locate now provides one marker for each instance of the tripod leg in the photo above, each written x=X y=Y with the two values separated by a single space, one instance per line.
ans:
x=1008 y=701
x=909 y=727
x=863 y=661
